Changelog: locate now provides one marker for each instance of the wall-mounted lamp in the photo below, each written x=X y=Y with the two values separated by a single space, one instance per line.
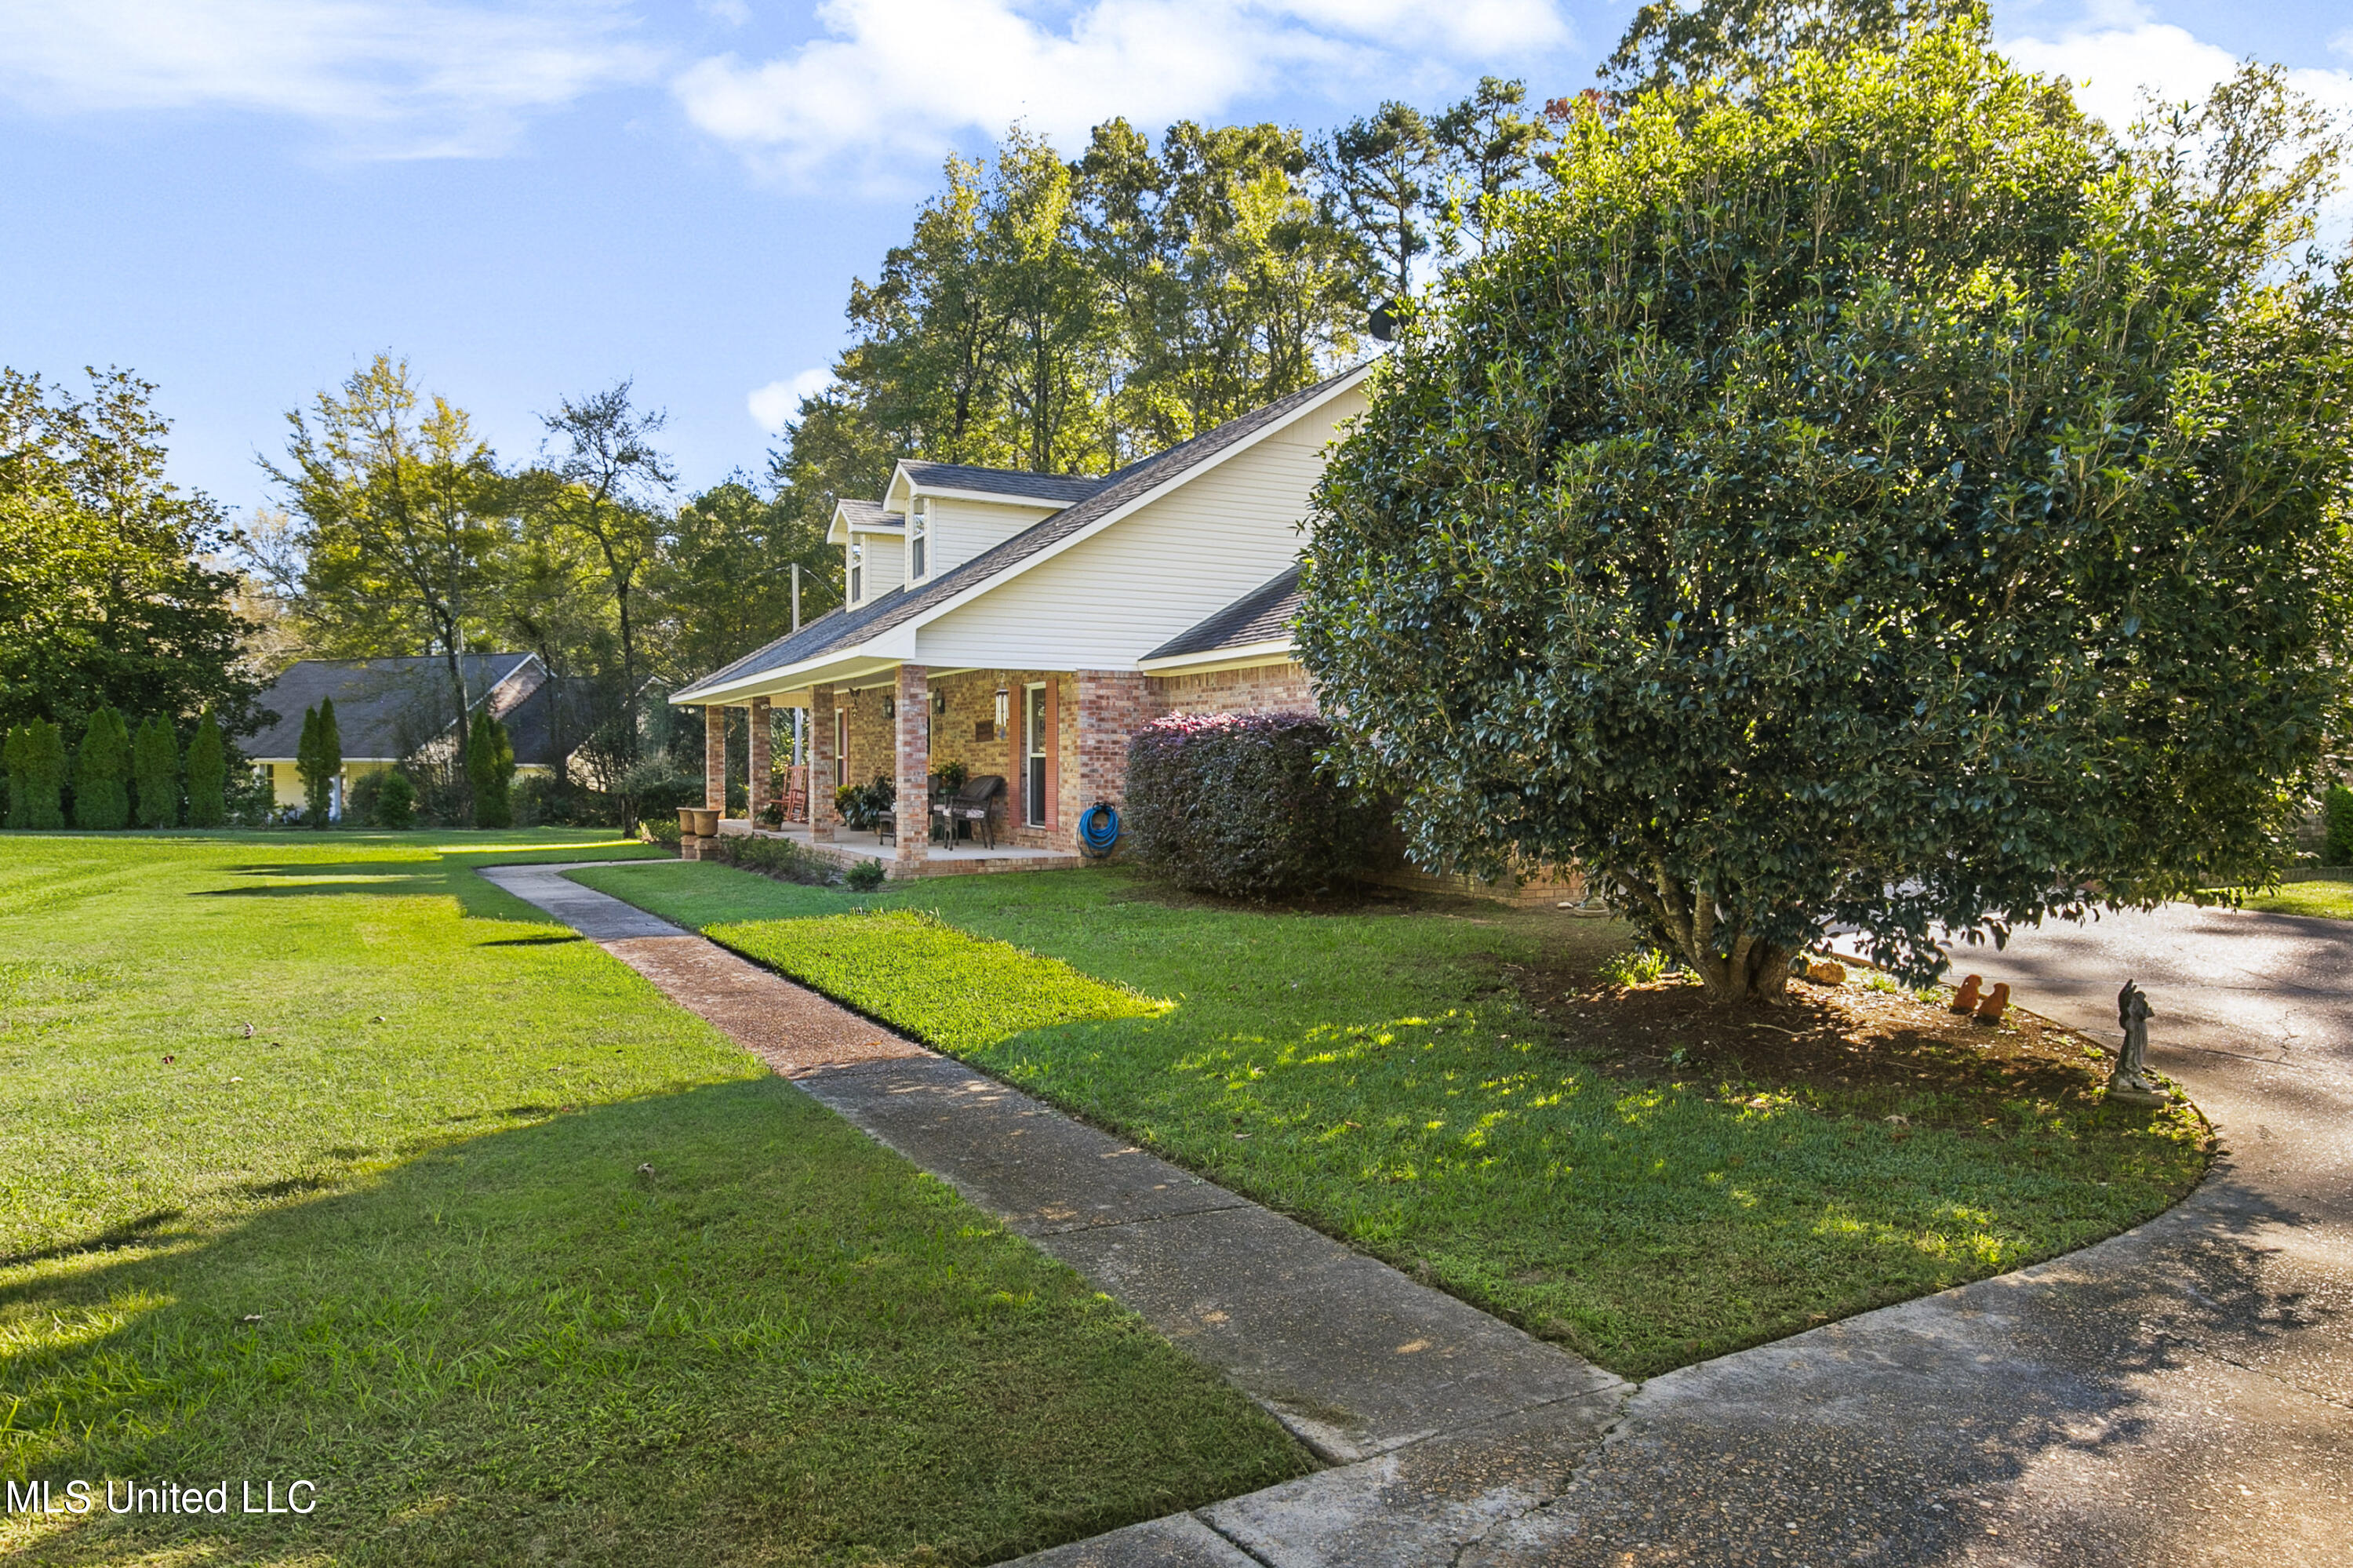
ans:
x=940 y=702
x=890 y=708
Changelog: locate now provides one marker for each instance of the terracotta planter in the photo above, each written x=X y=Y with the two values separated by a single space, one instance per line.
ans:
x=706 y=822
x=686 y=821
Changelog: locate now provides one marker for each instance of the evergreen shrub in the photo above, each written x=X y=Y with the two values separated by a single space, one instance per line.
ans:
x=35 y=761
x=1239 y=804
x=207 y=775
x=101 y=771
x=490 y=772
x=2338 y=850
x=155 y=769
x=319 y=758
x=395 y=805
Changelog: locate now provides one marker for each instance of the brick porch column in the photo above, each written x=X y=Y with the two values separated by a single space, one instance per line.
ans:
x=914 y=811
x=761 y=788
x=1112 y=705
x=820 y=771
x=715 y=758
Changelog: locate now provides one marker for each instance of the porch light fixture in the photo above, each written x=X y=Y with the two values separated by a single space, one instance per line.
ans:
x=889 y=706
x=940 y=701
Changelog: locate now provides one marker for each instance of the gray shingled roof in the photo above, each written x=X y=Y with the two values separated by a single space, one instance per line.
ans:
x=839 y=630
x=869 y=515
x=384 y=707
x=1262 y=615
x=1002 y=481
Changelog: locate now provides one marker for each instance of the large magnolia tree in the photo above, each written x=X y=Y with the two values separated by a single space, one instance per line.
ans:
x=1882 y=498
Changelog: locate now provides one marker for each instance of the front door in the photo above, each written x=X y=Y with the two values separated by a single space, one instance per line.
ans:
x=1033 y=777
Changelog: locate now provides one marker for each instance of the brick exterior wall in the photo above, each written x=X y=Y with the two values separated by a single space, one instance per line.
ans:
x=715 y=758
x=914 y=765
x=1264 y=688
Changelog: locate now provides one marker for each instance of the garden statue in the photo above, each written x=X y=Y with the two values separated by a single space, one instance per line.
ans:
x=2129 y=1081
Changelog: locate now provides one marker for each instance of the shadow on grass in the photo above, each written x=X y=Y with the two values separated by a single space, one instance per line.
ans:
x=706 y=1325
x=444 y=877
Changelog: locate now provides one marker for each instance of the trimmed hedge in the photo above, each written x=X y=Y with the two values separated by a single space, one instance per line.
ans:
x=1240 y=804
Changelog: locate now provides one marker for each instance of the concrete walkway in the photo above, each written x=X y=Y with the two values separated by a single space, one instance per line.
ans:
x=2183 y=1393
x=1439 y=1421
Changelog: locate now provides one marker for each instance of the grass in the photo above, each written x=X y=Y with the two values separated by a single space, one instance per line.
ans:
x=2332 y=897
x=1379 y=1074
x=515 y=1259
x=958 y=991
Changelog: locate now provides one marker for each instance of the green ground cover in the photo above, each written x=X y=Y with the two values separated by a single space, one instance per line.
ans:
x=1376 y=1074
x=518 y=1261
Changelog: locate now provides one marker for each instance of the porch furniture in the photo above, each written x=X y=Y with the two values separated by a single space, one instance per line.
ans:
x=974 y=804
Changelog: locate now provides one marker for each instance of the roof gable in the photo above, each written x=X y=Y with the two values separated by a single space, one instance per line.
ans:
x=841 y=631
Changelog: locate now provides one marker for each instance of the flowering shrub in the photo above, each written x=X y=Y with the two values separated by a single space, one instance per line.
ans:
x=1238 y=804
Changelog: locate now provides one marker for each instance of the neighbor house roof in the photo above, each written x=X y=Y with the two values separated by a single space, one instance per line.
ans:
x=1259 y=619
x=384 y=707
x=840 y=631
x=1008 y=481
x=549 y=724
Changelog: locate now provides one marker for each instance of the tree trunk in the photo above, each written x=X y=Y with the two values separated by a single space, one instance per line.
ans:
x=1751 y=971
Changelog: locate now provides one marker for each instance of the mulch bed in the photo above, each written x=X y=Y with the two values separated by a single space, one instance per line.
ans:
x=1840 y=1038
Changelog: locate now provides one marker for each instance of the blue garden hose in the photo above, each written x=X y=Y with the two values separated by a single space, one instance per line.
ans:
x=1099 y=829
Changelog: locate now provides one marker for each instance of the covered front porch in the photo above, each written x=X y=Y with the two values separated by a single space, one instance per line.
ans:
x=1039 y=747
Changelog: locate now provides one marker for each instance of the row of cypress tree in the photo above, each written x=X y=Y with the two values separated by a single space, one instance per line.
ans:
x=118 y=778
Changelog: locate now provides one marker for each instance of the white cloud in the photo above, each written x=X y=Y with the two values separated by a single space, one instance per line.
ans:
x=390 y=78
x=778 y=403
x=894 y=78
x=2122 y=54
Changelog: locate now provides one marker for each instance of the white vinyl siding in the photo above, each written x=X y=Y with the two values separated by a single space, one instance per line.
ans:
x=959 y=529
x=879 y=567
x=1107 y=601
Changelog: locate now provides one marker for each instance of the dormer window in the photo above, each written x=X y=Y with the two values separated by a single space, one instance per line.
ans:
x=856 y=571
x=918 y=521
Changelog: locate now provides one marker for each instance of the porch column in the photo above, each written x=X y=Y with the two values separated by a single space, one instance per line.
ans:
x=914 y=811
x=1112 y=705
x=762 y=788
x=715 y=758
x=820 y=769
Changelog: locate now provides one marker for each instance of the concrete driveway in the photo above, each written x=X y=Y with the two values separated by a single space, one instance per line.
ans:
x=2182 y=1395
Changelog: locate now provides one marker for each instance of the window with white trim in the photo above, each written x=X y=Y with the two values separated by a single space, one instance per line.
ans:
x=856 y=571
x=918 y=525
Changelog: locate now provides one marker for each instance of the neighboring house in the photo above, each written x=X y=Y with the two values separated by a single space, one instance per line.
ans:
x=1028 y=625
x=386 y=709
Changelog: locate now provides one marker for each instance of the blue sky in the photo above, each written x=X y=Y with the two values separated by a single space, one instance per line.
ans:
x=242 y=199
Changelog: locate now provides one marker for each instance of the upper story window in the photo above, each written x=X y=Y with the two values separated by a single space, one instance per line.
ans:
x=918 y=526
x=856 y=571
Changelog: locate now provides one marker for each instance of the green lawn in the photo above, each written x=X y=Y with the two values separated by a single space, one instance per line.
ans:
x=2331 y=897
x=1372 y=1074
x=518 y=1261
